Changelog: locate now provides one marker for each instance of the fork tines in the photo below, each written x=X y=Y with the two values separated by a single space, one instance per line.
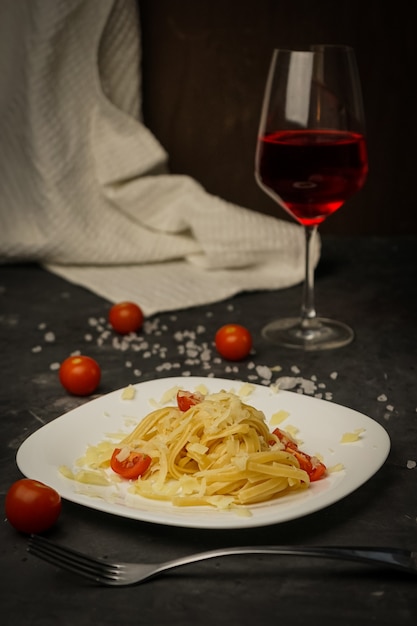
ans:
x=71 y=560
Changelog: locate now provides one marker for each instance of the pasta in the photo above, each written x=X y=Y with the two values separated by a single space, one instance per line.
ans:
x=219 y=452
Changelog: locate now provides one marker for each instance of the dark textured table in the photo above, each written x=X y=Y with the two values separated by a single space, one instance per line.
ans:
x=370 y=283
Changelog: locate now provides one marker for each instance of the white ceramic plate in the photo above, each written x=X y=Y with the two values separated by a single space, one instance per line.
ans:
x=321 y=426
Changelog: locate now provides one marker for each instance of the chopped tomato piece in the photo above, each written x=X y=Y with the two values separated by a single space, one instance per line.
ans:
x=187 y=399
x=304 y=461
x=285 y=439
x=314 y=468
x=128 y=463
x=319 y=469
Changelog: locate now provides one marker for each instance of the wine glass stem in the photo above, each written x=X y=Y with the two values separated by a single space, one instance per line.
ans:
x=308 y=311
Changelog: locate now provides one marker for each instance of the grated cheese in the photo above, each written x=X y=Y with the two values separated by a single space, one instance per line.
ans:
x=353 y=436
x=278 y=417
x=128 y=393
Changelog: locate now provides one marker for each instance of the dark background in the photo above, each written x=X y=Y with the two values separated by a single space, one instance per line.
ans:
x=204 y=70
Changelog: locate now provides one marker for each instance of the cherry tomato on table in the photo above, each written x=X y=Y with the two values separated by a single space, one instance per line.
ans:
x=129 y=463
x=126 y=317
x=233 y=342
x=80 y=375
x=32 y=506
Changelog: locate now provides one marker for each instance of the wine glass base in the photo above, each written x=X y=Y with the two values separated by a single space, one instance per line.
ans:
x=320 y=334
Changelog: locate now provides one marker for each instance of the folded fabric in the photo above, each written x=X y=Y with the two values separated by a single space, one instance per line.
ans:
x=84 y=185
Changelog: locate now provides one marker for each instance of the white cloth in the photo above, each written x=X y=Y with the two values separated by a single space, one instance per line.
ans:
x=80 y=188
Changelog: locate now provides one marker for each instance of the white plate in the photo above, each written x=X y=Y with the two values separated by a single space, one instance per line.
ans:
x=320 y=424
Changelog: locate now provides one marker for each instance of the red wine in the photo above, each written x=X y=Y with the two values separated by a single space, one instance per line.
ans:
x=312 y=171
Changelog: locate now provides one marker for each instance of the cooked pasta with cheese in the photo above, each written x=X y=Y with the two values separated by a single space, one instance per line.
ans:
x=219 y=452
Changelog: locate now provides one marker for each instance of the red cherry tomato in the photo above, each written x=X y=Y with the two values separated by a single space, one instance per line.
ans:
x=310 y=464
x=80 y=375
x=126 y=317
x=233 y=342
x=187 y=399
x=32 y=506
x=128 y=463
x=319 y=470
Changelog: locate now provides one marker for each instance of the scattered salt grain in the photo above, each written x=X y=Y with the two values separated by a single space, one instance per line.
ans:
x=50 y=337
x=37 y=349
x=301 y=385
x=333 y=375
x=264 y=372
x=206 y=353
x=54 y=366
x=411 y=464
x=163 y=367
x=308 y=386
x=382 y=398
x=287 y=382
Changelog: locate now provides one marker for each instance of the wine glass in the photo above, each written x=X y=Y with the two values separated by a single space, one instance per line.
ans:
x=310 y=158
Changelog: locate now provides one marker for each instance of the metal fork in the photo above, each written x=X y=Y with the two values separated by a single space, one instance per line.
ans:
x=119 y=574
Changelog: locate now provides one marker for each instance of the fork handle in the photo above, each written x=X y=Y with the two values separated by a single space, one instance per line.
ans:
x=393 y=558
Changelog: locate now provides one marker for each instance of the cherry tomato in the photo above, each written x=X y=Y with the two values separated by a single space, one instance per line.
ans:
x=126 y=317
x=319 y=470
x=233 y=342
x=128 y=463
x=187 y=399
x=80 y=375
x=32 y=506
x=310 y=464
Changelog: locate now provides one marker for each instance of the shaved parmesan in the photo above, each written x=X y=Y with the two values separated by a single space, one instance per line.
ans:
x=336 y=468
x=246 y=389
x=128 y=393
x=353 y=436
x=169 y=395
x=278 y=417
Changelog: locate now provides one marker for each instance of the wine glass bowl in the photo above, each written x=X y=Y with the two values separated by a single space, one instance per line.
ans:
x=311 y=157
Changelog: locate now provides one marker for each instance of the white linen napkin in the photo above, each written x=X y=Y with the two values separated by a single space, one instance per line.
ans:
x=84 y=185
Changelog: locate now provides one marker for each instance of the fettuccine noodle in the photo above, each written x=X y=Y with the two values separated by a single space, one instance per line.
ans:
x=218 y=452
